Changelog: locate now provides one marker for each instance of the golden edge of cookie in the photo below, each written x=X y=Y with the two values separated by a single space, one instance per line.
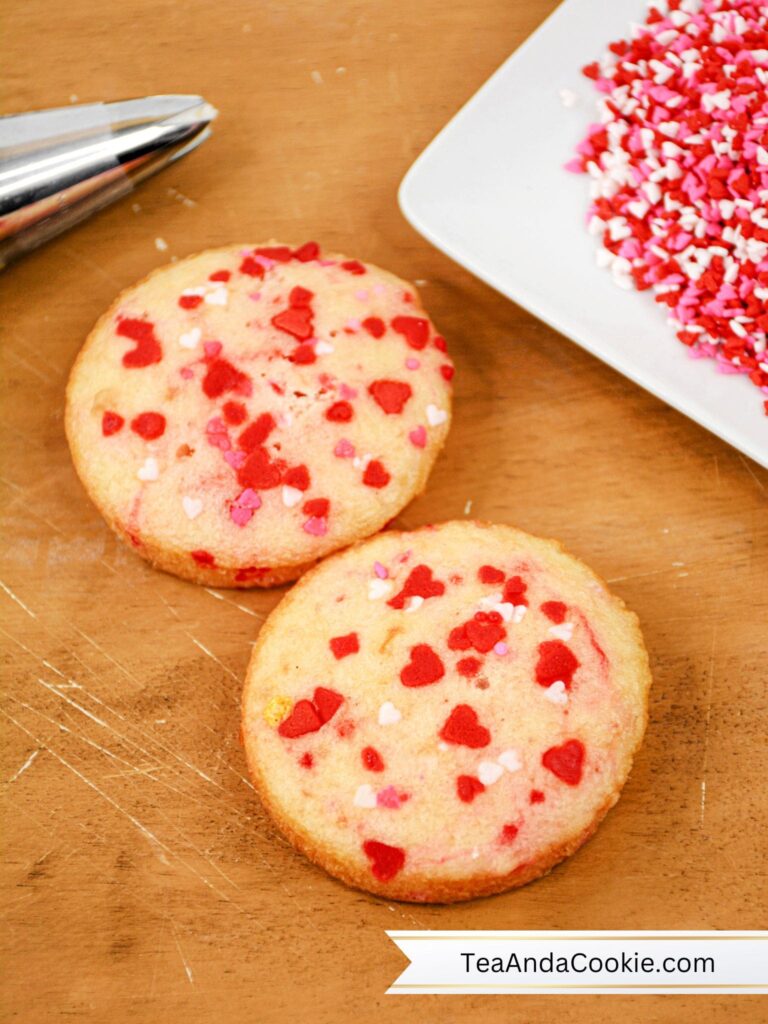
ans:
x=421 y=888
x=178 y=562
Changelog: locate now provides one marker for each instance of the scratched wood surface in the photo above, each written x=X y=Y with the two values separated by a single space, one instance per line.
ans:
x=142 y=881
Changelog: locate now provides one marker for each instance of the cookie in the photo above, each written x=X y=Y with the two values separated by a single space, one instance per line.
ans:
x=461 y=712
x=241 y=413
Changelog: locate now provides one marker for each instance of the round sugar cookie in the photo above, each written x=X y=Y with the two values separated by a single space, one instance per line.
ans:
x=445 y=713
x=241 y=413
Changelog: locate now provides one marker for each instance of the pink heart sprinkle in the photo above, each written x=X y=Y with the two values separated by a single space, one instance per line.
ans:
x=212 y=348
x=418 y=437
x=240 y=516
x=389 y=797
x=344 y=449
x=362 y=295
x=380 y=570
x=235 y=459
x=255 y=296
x=412 y=364
x=215 y=426
x=186 y=373
x=347 y=392
x=248 y=499
x=501 y=648
x=353 y=325
x=316 y=526
x=264 y=261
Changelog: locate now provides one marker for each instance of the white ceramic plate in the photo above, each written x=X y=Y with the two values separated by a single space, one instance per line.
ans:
x=491 y=192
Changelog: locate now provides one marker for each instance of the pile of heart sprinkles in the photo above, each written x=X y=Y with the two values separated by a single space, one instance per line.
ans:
x=679 y=169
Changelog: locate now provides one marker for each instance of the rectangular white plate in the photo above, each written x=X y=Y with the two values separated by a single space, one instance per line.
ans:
x=491 y=192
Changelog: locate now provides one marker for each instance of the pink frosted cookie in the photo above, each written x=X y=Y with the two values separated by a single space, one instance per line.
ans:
x=461 y=711
x=243 y=412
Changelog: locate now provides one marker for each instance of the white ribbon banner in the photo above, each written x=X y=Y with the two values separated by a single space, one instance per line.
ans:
x=582 y=963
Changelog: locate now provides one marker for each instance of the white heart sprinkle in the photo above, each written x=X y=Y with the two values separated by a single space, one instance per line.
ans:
x=361 y=461
x=286 y=419
x=520 y=612
x=510 y=759
x=323 y=348
x=194 y=291
x=191 y=338
x=378 y=588
x=475 y=853
x=149 y=471
x=365 y=796
x=505 y=610
x=388 y=713
x=414 y=602
x=292 y=496
x=491 y=600
x=436 y=416
x=218 y=297
x=557 y=693
x=488 y=772
x=192 y=506
x=563 y=632
x=442 y=745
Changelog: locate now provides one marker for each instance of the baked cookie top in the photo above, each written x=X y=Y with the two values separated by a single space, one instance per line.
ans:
x=445 y=713
x=255 y=407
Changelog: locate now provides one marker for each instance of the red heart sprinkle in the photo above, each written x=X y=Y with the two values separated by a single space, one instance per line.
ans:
x=468 y=667
x=565 y=761
x=514 y=591
x=375 y=326
x=234 y=412
x=556 y=662
x=390 y=395
x=447 y=372
x=415 y=330
x=372 y=759
x=306 y=760
x=327 y=703
x=258 y=471
x=439 y=343
x=462 y=728
x=458 y=639
x=484 y=631
x=386 y=861
x=468 y=787
x=318 y=507
x=375 y=475
x=307 y=252
x=300 y=297
x=536 y=797
x=148 y=425
x=256 y=433
x=424 y=668
x=111 y=422
x=278 y=253
x=419 y=584
x=148 y=349
x=222 y=376
x=190 y=301
x=302 y=719
x=303 y=355
x=251 y=267
x=220 y=275
x=296 y=321
x=489 y=574
x=508 y=833
x=203 y=557
x=298 y=477
x=555 y=611
x=353 y=267
x=339 y=412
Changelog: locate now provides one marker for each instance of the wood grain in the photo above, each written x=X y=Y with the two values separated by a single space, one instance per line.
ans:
x=142 y=881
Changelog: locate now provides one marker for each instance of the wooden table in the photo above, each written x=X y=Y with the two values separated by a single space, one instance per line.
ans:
x=142 y=879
